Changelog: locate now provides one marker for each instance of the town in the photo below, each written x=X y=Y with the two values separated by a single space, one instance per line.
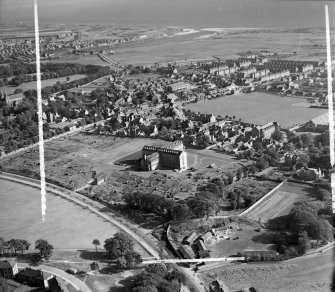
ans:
x=197 y=172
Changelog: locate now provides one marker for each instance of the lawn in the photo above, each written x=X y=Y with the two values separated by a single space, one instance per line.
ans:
x=259 y=108
x=48 y=82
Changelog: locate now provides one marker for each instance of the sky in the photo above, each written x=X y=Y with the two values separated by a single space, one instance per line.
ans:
x=187 y=13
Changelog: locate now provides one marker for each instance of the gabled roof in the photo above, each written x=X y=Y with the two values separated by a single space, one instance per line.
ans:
x=7 y=264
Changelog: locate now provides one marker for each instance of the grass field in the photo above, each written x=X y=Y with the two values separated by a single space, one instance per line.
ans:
x=32 y=84
x=312 y=274
x=281 y=202
x=63 y=219
x=248 y=239
x=259 y=108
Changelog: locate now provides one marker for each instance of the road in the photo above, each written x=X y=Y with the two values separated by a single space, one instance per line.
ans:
x=72 y=280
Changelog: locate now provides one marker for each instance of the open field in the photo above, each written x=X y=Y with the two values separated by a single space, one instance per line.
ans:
x=83 y=60
x=70 y=160
x=248 y=240
x=32 y=84
x=313 y=274
x=259 y=108
x=63 y=219
x=281 y=202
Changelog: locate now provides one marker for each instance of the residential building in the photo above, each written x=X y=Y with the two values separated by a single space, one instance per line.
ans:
x=34 y=277
x=8 y=269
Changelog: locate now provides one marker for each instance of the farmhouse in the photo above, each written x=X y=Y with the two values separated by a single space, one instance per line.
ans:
x=172 y=156
x=8 y=269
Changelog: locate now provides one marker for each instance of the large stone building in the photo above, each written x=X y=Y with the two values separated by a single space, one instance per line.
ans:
x=170 y=156
x=264 y=131
x=11 y=100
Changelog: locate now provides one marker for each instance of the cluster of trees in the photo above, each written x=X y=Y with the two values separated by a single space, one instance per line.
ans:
x=21 y=245
x=308 y=221
x=13 y=246
x=158 y=278
x=121 y=248
x=205 y=202
x=22 y=130
x=49 y=70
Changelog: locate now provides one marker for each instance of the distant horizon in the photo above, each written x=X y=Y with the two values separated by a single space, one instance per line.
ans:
x=187 y=13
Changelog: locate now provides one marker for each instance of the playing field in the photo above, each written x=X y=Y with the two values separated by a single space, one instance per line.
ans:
x=259 y=108
x=20 y=217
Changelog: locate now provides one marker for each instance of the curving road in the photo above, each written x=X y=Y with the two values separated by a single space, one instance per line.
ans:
x=77 y=199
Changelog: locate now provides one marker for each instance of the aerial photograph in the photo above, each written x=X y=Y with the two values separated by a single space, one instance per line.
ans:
x=167 y=146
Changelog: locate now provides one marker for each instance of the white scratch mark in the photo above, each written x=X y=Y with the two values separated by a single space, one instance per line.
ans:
x=39 y=107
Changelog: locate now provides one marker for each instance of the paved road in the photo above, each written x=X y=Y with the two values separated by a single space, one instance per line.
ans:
x=72 y=280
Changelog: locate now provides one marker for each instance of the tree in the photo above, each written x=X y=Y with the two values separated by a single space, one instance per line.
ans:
x=44 y=247
x=133 y=259
x=324 y=195
x=304 y=243
x=119 y=245
x=23 y=245
x=96 y=242
x=94 y=266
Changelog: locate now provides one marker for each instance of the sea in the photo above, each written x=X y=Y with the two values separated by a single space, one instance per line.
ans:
x=181 y=13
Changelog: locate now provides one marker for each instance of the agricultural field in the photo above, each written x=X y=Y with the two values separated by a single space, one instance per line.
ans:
x=259 y=108
x=281 y=201
x=312 y=274
x=32 y=85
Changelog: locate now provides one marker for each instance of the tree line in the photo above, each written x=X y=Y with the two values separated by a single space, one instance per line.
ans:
x=13 y=246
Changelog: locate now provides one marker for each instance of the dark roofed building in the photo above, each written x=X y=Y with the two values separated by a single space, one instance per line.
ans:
x=34 y=277
x=57 y=285
x=218 y=286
